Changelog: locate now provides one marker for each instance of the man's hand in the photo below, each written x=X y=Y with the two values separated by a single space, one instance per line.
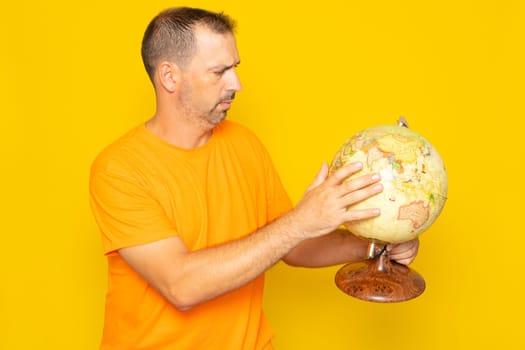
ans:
x=327 y=203
x=403 y=253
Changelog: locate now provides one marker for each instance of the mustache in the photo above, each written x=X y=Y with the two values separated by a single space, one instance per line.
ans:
x=228 y=97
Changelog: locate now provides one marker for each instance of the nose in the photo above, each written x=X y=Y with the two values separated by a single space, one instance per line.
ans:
x=234 y=83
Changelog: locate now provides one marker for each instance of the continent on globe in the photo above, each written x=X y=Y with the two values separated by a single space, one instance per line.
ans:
x=417 y=212
x=406 y=146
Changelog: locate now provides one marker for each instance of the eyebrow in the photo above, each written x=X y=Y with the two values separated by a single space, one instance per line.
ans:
x=225 y=67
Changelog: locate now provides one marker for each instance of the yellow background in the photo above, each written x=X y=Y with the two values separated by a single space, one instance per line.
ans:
x=313 y=74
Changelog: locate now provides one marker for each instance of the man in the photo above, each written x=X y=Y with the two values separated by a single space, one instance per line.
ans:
x=192 y=211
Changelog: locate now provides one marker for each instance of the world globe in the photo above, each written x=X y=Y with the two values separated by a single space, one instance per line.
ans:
x=414 y=192
x=414 y=181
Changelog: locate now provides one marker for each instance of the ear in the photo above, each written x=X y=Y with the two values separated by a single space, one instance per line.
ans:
x=168 y=74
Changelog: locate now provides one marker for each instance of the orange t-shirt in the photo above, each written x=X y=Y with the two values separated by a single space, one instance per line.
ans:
x=144 y=189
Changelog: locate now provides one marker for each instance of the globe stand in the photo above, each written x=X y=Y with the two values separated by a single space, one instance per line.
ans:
x=380 y=280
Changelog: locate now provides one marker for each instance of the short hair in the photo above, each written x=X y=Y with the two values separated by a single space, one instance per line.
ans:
x=170 y=35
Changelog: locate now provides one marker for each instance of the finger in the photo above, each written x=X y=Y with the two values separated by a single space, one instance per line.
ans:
x=404 y=253
x=404 y=247
x=344 y=172
x=361 y=214
x=406 y=261
x=355 y=196
x=361 y=182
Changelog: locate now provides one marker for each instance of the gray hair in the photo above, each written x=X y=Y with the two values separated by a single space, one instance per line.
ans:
x=170 y=35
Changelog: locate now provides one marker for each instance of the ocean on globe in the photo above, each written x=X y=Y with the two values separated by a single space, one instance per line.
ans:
x=413 y=176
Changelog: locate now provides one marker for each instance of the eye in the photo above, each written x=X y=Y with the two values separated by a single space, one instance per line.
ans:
x=219 y=71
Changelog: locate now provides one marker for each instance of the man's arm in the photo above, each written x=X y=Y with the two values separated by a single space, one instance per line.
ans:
x=341 y=247
x=337 y=247
x=189 y=278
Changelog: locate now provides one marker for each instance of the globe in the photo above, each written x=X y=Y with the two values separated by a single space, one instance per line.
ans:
x=413 y=177
x=415 y=188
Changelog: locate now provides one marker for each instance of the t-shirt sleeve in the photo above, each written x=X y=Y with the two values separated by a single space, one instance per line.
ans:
x=126 y=213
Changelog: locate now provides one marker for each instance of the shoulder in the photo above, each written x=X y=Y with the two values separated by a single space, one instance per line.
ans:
x=119 y=153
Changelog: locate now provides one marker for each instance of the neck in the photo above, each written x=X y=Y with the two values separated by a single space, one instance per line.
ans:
x=180 y=133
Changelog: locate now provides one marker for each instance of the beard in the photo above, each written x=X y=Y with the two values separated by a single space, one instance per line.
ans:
x=216 y=114
x=195 y=106
x=210 y=117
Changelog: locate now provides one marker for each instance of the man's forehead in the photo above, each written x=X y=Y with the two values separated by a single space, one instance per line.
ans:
x=207 y=36
x=216 y=47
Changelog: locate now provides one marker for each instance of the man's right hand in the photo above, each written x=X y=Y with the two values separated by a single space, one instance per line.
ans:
x=327 y=203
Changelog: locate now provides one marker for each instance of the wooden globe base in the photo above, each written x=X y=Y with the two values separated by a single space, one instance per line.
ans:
x=380 y=280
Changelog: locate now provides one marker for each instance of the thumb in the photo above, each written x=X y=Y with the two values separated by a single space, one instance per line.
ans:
x=320 y=177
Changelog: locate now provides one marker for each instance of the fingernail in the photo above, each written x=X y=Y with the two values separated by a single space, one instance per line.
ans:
x=376 y=177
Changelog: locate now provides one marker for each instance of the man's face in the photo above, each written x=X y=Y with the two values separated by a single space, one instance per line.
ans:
x=210 y=82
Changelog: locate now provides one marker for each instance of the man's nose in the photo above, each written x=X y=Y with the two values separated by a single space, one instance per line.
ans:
x=234 y=83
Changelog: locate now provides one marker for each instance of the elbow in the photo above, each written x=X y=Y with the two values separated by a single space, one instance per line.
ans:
x=181 y=300
x=185 y=293
x=182 y=306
